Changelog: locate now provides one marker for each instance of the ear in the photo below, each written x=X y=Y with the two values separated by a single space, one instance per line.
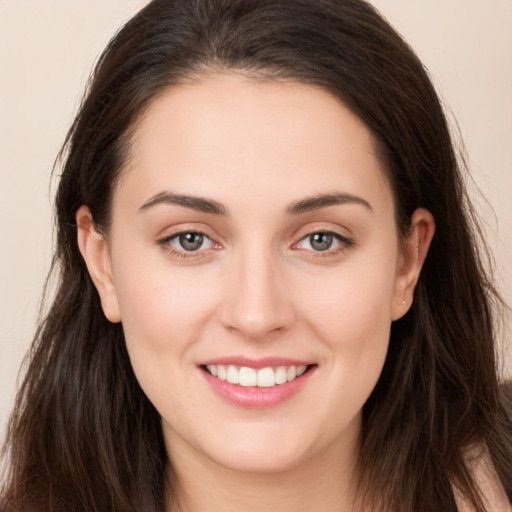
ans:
x=413 y=251
x=94 y=249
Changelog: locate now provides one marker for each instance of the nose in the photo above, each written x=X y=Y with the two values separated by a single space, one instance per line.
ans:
x=257 y=300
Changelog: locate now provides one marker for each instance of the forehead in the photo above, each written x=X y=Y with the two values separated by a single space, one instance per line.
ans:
x=229 y=135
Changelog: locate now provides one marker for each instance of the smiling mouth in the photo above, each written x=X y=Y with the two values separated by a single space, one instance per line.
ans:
x=245 y=376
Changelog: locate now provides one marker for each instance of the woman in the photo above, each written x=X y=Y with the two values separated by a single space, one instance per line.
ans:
x=269 y=289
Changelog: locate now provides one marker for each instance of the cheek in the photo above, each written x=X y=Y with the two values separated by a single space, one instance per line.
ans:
x=163 y=309
x=352 y=320
x=163 y=316
x=352 y=314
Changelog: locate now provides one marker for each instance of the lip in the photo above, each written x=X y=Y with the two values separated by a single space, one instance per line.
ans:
x=257 y=397
x=257 y=364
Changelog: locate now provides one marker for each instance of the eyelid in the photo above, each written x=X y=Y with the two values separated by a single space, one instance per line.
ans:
x=344 y=242
x=165 y=242
x=177 y=236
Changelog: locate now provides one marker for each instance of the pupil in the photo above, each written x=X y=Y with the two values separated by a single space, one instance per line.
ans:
x=321 y=241
x=191 y=241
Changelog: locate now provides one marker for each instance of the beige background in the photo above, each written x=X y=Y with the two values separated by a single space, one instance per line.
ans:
x=47 y=49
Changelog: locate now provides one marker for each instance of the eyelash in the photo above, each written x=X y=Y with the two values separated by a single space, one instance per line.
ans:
x=165 y=243
x=343 y=241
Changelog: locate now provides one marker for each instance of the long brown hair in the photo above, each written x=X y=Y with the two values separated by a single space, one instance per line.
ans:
x=84 y=437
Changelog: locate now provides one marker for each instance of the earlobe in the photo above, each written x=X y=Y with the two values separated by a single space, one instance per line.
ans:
x=414 y=249
x=94 y=249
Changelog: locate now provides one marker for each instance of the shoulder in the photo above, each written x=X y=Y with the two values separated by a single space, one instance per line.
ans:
x=493 y=493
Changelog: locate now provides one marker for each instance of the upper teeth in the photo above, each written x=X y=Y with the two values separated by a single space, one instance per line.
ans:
x=263 y=378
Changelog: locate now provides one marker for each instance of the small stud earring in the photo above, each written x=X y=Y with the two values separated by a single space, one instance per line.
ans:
x=404 y=302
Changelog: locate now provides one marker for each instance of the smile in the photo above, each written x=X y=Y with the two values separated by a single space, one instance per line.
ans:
x=250 y=377
x=256 y=384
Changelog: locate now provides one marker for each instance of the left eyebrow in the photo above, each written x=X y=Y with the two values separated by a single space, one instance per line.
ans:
x=200 y=204
x=323 y=201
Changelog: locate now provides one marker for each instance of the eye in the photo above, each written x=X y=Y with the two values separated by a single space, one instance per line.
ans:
x=187 y=242
x=323 y=241
x=320 y=241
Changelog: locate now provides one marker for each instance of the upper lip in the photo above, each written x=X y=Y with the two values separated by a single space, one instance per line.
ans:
x=263 y=362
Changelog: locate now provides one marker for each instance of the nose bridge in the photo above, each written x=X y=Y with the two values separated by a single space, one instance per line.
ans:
x=258 y=303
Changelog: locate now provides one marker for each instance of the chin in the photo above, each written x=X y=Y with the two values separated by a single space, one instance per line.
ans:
x=272 y=448
x=260 y=460
x=247 y=447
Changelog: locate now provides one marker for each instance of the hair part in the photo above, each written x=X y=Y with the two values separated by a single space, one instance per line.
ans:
x=83 y=435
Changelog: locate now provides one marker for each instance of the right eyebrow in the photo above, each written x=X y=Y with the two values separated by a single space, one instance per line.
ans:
x=200 y=204
x=324 y=200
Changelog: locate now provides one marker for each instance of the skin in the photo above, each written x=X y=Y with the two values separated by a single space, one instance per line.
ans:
x=258 y=288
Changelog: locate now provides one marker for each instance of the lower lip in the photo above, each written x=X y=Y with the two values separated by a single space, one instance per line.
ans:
x=255 y=397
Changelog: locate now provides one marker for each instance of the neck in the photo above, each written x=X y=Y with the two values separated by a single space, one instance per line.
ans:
x=325 y=482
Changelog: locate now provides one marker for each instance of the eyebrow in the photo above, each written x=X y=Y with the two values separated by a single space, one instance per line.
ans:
x=323 y=201
x=200 y=204
x=211 y=206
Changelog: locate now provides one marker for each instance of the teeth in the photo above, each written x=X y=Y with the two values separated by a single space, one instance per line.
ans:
x=266 y=378
x=221 y=372
x=232 y=375
x=248 y=376
x=281 y=375
x=263 y=378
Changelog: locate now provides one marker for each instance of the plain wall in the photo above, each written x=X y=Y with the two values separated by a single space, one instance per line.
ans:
x=48 y=47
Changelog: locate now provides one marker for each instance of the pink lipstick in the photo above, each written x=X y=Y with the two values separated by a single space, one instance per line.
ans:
x=257 y=383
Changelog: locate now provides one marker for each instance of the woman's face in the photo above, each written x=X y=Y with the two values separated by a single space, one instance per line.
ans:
x=253 y=238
